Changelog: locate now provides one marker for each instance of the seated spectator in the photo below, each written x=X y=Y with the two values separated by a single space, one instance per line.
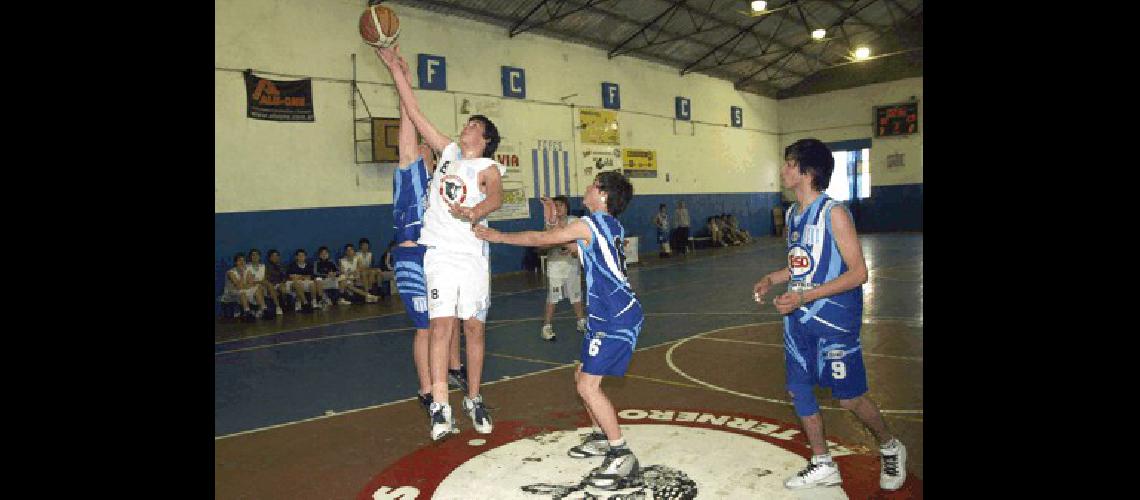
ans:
x=325 y=274
x=369 y=274
x=255 y=276
x=237 y=288
x=351 y=277
x=740 y=234
x=301 y=274
x=275 y=279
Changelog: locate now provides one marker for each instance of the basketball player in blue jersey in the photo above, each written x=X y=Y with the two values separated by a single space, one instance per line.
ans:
x=614 y=317
x=409 y=186
x=465 y=188
x=823 y=310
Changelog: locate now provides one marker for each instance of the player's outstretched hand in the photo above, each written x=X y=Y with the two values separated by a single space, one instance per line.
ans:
x=486 y=233
x=761 y=289
x=787 y=302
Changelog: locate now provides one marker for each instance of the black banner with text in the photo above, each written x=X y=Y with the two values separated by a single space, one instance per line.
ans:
x=281 y=101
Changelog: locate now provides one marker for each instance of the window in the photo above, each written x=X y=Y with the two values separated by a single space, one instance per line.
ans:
x=852 y=174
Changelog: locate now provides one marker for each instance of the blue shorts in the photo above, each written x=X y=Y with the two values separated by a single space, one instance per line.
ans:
x=815 y=354
x=608 y=353
x=662 y=236
x=411 y=284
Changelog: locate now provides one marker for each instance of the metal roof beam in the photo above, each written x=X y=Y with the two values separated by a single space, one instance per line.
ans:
x=838 y=22
x=672 y=8
x=590 y=4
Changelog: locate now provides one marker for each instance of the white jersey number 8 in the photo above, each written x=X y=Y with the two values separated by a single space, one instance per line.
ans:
x=594 y=346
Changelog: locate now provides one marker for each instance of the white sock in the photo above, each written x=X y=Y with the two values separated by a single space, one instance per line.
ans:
x=889 y=445
x=821 y=459
x=617 y=444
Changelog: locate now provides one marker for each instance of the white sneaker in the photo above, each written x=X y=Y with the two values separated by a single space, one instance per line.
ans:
x=478 y=413
x=297 y=306
x=442 y=422
x=893 y=472
x=547 y=332
x=343 y=302
x=280 y=311
x=618 y=470
x=817 y=473
x=582 y=325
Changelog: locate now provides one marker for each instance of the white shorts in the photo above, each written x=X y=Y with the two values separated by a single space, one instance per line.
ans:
x=564 y=287
x=458 y=284
x=329 y=283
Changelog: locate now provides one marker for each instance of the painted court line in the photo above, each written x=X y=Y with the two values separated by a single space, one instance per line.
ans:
x=673 y=366
x=781 y=346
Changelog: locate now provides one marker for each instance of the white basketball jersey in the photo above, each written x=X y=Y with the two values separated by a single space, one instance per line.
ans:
x=455 y=180
x=348 y=265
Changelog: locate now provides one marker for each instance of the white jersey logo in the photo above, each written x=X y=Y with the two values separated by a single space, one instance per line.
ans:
x=800 y=262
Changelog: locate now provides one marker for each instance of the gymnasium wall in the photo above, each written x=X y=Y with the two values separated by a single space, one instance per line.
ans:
x=290 y=185
x=896 y=190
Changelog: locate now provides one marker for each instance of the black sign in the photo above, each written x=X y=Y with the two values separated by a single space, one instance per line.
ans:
x=896 y=119
x=277 y=100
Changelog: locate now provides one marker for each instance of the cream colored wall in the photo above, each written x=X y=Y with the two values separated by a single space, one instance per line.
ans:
x=261 y=165
x=848 y=114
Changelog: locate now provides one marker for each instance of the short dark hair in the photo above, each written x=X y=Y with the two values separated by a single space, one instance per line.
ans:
x=814 y=158
x=253 y=251
x=272 y=252
x=490 y=133
x=347 y=246
x=662 y=206
x=618 y=191
x=363 y=241
x=237 y=256
x=563 y=200
x=298 y=252
x=322 y=249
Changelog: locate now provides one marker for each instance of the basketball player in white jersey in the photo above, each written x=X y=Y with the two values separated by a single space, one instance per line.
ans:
x=563 y=275
x=466 y=187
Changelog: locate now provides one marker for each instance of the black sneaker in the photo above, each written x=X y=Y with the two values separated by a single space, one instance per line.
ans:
x=458 y=378
x=619 y=470
x=425 y=400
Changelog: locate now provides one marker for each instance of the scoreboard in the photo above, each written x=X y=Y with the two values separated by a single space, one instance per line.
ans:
x=896 y=119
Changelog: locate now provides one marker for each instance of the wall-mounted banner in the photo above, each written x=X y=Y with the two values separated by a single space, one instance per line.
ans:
x=550 y=163
x=507 y=156
x=611 y=96
x=737 y=116
x=515 y=204
x=514 y=82
x=277 y=100
x=681 y=105
x=433 y=72
x=600 y=158
x=639 y=162
x=599 y=126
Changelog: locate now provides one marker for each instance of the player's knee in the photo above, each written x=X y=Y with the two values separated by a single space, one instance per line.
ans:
x=803 y=399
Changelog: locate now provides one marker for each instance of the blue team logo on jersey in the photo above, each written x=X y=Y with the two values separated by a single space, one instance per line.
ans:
x=800 y=262
x=795 y=236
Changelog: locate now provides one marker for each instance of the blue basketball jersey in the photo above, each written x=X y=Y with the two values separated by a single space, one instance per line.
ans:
x=408 y=190
x=611 y=305
x=813 y=257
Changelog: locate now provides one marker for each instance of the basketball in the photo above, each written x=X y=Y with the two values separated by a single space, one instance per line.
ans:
x=379 y=26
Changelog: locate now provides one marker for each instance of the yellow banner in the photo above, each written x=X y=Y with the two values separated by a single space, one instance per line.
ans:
x=599 y=126
x=639 y=162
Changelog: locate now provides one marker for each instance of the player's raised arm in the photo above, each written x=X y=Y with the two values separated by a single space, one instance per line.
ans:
x=401 y=77
x=576 y=230
x=407 y=138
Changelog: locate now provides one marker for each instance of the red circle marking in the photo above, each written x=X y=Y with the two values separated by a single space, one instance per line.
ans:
x=426 y=468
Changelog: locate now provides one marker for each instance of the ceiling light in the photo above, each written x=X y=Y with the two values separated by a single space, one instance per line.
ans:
x=862 y=53
x=819 y=34
x=758 y=5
